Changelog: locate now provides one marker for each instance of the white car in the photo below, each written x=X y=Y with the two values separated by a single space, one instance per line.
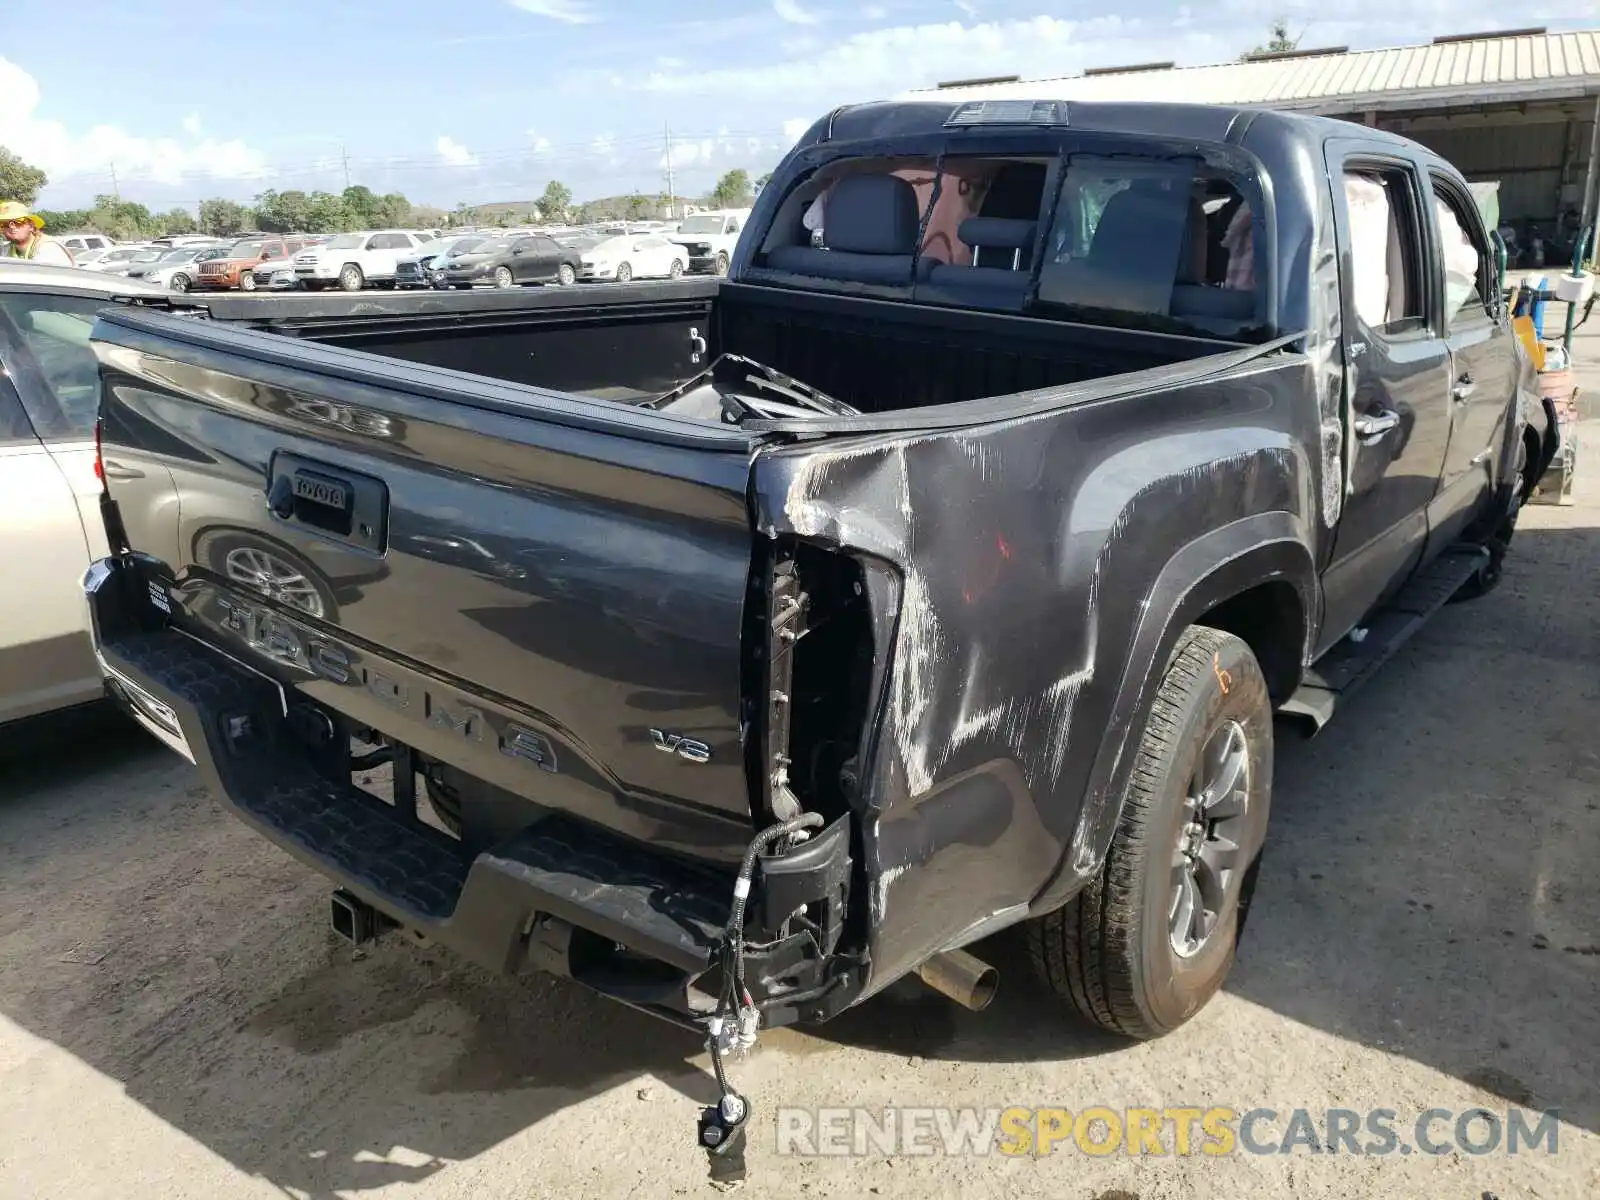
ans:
x=634 y=256
x=353 y=260
x=710 y=238
x=116 y=259
x=176 y=268
x=82 y=243
x=50 y=523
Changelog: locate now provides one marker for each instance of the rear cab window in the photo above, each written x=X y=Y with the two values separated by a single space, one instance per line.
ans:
x=1138 y=240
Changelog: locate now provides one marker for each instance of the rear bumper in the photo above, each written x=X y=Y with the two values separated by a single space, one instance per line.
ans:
x=560 y=895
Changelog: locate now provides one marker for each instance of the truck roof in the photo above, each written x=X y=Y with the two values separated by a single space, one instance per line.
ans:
x=1199 y=122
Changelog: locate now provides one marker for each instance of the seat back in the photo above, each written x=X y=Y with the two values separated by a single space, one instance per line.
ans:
x=870 y=225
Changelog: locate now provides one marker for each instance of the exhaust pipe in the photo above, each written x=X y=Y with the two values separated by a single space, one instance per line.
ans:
x=969 y=981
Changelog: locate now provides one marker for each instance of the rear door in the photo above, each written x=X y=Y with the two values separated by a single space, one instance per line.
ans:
x=1483 y=365
x=50 y=525
x=1397 y=371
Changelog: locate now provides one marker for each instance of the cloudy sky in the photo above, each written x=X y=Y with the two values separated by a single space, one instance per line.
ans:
x=483 y=100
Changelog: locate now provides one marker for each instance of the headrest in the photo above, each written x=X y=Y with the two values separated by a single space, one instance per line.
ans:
x=872 y=214
x=998 y=232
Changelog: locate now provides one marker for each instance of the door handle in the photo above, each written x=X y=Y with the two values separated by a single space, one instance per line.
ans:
x=1464 y=387
x=1371 y=426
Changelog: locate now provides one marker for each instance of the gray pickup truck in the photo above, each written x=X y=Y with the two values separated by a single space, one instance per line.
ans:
x=739 y=646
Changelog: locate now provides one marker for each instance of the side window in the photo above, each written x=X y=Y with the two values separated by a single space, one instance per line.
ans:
x=53 y=365
x=1467 y=280
x=1385 y=251
x=272 y=252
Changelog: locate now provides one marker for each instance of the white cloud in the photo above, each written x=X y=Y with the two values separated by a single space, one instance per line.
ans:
x=454 y=153
x=874 y=12
x=537 y=143
x=191 y=124
x=795 y=126
x=63 y=153
x=573 y=12
x=790 y=10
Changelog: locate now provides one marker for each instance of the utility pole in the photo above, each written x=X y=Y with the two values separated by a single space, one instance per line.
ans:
x=114 y=191
x=672 y=199
x=344 y=154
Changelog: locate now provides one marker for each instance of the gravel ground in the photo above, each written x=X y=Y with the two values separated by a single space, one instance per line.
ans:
x=176 y=1020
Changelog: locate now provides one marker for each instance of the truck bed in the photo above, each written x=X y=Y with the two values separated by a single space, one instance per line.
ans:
x=630 y=344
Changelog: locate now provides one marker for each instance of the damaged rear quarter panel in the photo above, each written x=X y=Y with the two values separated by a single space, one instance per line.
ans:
x=1027 y=550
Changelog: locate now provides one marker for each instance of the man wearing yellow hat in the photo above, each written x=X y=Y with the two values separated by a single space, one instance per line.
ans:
x=25 y=236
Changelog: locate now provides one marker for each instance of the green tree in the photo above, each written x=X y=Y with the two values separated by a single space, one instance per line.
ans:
x=1279 y=43
x=762 y=181
x=283 y=212
x=326 y=213
x=122 y=219
x=19 y=180
x=426 y=216
x=360 y=203
x=177 y=220
x=732 y=190
x=556 y=201
x=391 y=211
x=65 y=220
x=224 y=218
x=638 y=207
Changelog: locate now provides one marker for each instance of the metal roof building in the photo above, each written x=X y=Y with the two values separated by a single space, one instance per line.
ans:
x=1518 y=106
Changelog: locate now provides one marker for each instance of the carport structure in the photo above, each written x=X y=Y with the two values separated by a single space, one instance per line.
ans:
x=1520 y=106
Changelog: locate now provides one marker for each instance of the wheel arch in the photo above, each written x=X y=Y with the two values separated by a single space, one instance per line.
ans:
x=1255 y=578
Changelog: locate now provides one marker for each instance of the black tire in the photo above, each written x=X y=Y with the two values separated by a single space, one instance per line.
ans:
x=503 y=278
x=624 y=272
x=179 y=282
x=1112 y=951
x=351 y=278
x=566 y=275
x=247 y=281
x=721 y=266
x=676 y=270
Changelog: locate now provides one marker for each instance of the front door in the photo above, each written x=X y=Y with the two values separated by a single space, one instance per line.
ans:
x=1396 y=384
x=1483 y=377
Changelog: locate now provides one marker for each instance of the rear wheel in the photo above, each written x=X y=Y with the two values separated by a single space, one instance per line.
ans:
x=351 y=278
x=1150 y=940
x=503 y=277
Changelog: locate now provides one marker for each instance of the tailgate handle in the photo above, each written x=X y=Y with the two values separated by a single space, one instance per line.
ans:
x=351 y=508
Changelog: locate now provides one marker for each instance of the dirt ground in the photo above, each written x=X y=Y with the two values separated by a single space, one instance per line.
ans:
x=176 y=1021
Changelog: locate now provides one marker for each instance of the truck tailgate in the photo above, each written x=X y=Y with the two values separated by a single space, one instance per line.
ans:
x=543 y=592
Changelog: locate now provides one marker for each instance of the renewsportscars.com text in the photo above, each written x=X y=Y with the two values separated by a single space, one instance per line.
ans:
x=1101 y=1131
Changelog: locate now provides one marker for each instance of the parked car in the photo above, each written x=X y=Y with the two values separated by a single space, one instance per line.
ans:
x=353 y=260
x=236 y=267
x=634 y=256
x=426 y=269
x=177 y=270
x=277 y=276
x=115 y=259
x=145 y=258
x=50 y=524
x=87 y=258
x=79 y=243
x=512 y=261
x=710 y=238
